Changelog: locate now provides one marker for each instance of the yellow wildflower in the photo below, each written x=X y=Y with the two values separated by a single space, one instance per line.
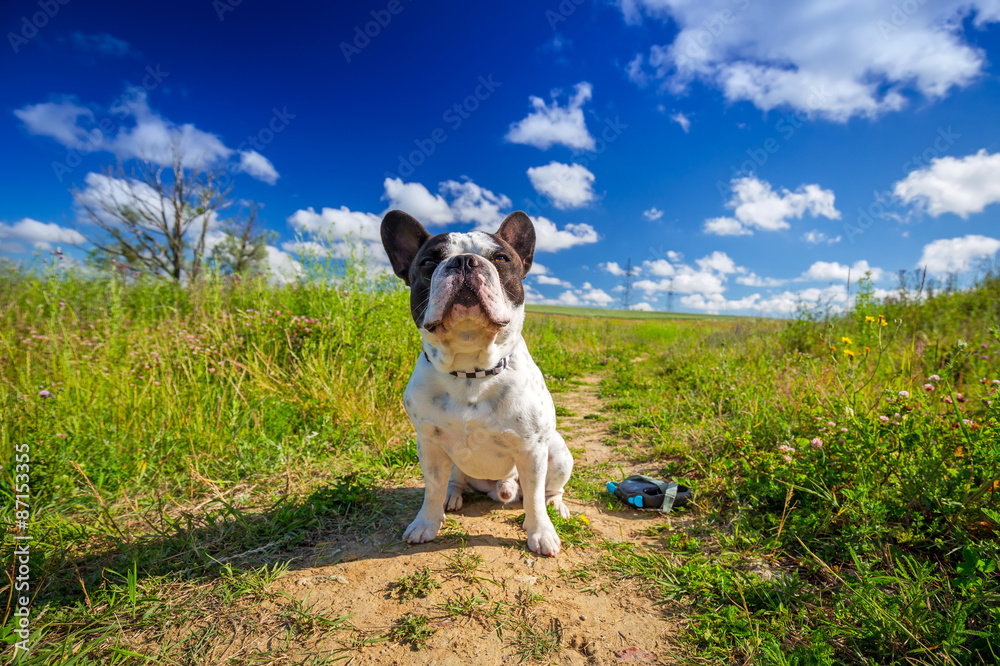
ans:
x=846 y=340
x=882 y=321
x=870 y=319
x=848 y=352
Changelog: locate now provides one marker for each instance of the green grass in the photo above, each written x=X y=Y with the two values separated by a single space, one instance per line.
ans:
x=413 y=629
x=844 y=512
x=415 y=585
x=182 y=438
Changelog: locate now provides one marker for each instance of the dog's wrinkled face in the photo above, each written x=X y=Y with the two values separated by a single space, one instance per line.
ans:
x=465 y=288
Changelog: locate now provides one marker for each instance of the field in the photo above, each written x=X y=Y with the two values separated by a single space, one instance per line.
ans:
x=570 y=311
x=221 y=474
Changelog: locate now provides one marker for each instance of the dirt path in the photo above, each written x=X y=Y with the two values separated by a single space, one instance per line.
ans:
x=486 y=573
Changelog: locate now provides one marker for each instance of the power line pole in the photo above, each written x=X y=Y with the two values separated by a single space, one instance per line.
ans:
x=627 y=284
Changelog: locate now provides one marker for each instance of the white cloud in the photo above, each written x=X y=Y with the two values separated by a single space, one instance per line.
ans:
x=789 y=302
x=472 y=203
x=708 y=278
x=660 y=267
x=837 y=60
x=550 y=238
x=101 y=43
x=834 y=271
x=325 y=247
x=147 y=135
x=547 y=126
x=815 y=237
x=687 y=282
x=598 y=297
x=586 y=295
x=682 y=120
x=457 y=202
x=641 y=307
x=653 y=214
x=954 y=185
x=568 y=298
x=754 y=280
x=416 y=200
x=635 y=72
x=283 y=268
x=39 y=234
x=59 y=121
x=552 y=280
x=539 y=269
x=957 y=255
x=725 y=226
x=612 y=267
x=258 y=166
x=757 y=206
x=569 y=185
x=337 y=223
x=716 y=303
x=154 y=138
x=720 y=262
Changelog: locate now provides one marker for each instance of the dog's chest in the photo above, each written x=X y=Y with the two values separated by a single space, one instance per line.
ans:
x=482 y=424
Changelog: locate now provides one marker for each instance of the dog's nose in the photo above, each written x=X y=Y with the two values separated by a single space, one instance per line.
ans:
x=465 y=262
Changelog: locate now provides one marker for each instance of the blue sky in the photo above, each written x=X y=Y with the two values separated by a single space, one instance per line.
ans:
x=744 y=154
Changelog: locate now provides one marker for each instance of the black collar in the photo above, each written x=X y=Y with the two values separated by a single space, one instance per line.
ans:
x=479 y=374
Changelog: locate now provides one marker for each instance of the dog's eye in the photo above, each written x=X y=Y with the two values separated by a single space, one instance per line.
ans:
x=501 y=258
x=426 y=263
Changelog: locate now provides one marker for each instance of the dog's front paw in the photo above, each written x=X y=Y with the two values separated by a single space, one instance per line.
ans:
x=454 y=500
x=544 y=541
x=423 y=529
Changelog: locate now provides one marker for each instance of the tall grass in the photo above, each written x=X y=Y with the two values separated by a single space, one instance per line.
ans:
x=139 y=381
x=846 y=467
x=848 y=470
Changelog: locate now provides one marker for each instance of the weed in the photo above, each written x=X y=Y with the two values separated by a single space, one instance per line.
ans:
x=534 y=640
x=464 y=563
x=414 y=585
x=413 y=629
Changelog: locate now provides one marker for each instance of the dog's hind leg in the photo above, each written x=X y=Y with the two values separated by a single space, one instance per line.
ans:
x=456 y=484
x=559 y=468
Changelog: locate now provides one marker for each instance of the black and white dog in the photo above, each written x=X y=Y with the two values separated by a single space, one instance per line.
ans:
x=479 y=404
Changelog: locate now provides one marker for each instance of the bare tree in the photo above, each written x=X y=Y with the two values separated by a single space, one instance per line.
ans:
x=155 y=218
x=243 y=248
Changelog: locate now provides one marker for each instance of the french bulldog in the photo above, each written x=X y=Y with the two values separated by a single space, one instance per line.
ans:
x=483 y=415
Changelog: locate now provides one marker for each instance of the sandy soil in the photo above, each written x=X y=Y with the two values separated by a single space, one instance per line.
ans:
x=598 y=620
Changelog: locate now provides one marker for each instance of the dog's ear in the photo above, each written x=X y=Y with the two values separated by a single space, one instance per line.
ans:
x=518 y=231
x=402 y=238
